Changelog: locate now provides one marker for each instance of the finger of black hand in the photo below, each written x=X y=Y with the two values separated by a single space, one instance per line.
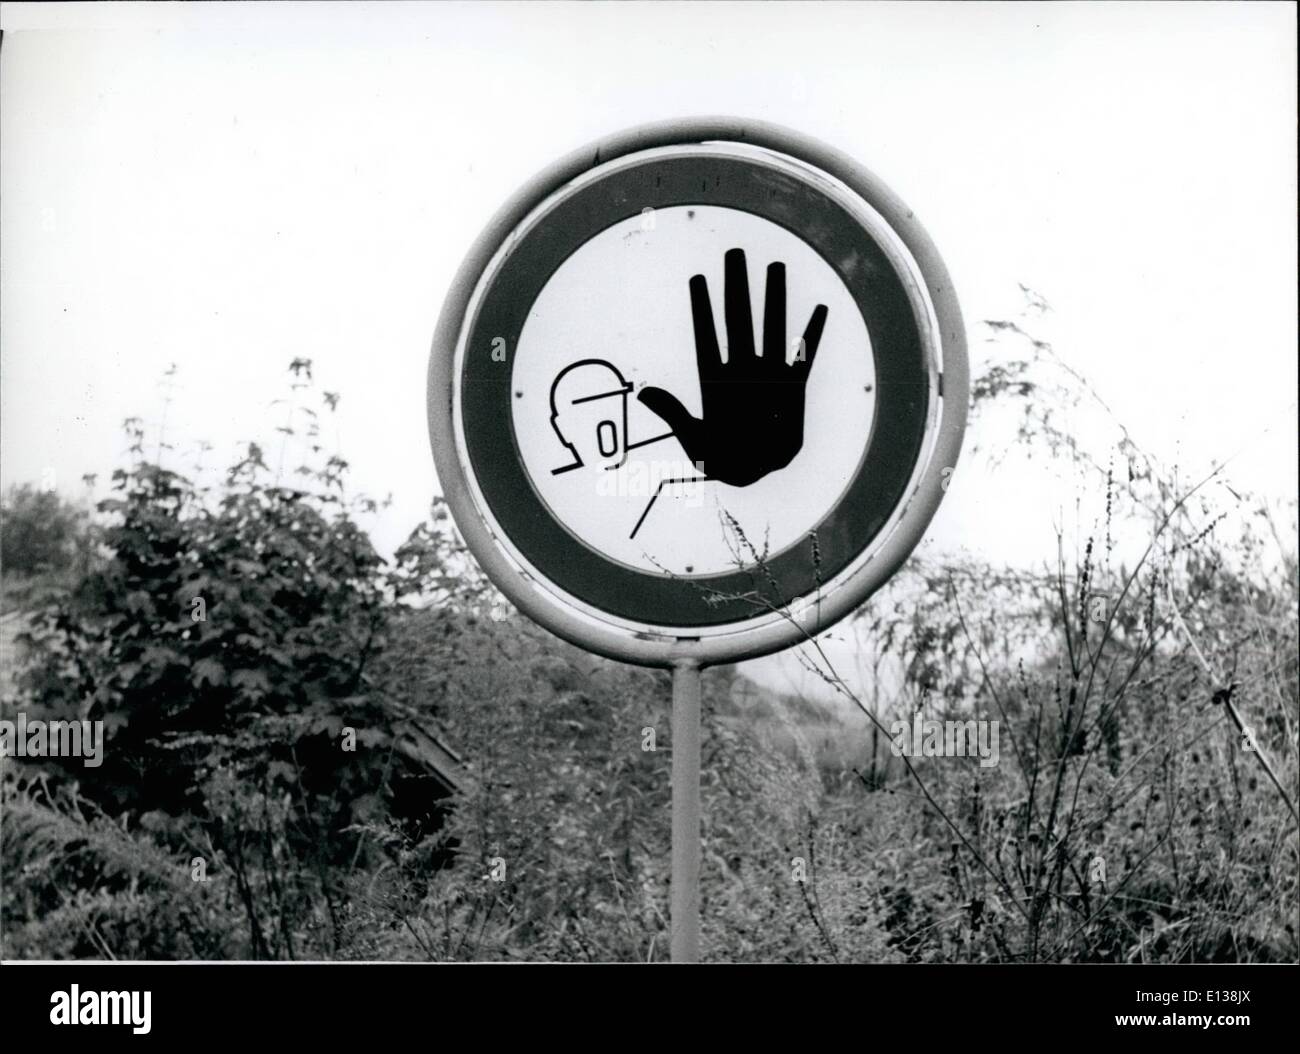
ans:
x=774 y=316
x=812 y=337
x=685 y=427
x=740 y=322
x=708 y=359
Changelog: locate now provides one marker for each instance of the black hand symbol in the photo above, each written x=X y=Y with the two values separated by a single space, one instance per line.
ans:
x=753 y=404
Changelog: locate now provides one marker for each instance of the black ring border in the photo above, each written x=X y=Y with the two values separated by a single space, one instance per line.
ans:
x=902 y=389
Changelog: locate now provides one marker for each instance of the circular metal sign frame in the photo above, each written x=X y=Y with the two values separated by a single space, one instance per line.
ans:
x=619 y=612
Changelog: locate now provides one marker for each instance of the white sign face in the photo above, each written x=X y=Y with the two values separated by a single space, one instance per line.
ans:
x=662 y=452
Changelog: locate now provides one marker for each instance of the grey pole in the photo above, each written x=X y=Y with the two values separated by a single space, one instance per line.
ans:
x=685 y=910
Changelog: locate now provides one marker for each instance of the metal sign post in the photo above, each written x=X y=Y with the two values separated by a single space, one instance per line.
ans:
x=685 y=888
x=695 y=394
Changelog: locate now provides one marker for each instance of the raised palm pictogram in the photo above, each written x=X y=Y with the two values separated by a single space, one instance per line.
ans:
x=753 y=404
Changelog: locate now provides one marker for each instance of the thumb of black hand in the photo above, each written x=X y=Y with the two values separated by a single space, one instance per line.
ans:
x=685 y=427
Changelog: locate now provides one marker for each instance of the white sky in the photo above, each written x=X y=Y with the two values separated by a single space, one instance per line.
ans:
x=229 y=186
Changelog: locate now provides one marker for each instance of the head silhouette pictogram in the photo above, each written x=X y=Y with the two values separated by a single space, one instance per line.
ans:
x=589 y=414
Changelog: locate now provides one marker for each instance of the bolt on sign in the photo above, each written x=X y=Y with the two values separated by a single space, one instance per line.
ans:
x=697 y=391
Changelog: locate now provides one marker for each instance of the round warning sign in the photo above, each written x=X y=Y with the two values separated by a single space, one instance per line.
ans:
x=693 y=393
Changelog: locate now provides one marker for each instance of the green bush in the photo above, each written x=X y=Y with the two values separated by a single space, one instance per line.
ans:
x=224 y=641
x=40 y=531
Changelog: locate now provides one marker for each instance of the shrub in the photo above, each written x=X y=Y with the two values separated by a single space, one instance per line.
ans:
x=40 y=531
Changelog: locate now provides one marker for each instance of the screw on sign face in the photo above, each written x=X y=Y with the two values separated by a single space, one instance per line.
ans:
x=712 y=434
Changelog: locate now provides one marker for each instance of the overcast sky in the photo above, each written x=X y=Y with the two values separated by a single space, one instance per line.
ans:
x=227 y=187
